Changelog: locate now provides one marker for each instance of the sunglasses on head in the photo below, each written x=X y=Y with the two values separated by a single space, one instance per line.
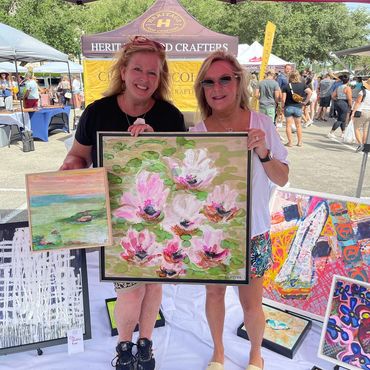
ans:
x=222 y=81
x=143 y=41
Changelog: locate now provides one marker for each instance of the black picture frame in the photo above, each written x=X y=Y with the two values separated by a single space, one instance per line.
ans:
x=110 y=304
x=51 y=274
x=122 y=154
x=297 y=337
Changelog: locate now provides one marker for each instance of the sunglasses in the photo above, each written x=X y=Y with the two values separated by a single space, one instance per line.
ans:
x=222 y=81
x=143 y=41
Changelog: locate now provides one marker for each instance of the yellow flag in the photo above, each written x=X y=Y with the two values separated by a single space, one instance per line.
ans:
x=267 y=47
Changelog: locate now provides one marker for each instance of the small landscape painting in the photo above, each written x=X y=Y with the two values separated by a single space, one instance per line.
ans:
x=69 y=209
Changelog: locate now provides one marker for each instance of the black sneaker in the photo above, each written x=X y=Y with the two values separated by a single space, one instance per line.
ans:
x=125 y=359
x=359 y=148
x=145 y=359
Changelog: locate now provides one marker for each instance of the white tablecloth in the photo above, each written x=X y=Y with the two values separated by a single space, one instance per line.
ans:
x=15 y=118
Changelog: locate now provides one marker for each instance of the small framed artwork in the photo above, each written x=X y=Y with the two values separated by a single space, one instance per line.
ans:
x=345 y=339
x=42 y=295
x=180 y=207
x=284 y=331
x=110 y=303
x=69 y=209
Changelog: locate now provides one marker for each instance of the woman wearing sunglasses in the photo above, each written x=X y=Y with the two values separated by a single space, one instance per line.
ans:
x=222 y=94
x=136 y=101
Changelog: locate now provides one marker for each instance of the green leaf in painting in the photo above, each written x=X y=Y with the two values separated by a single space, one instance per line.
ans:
x=119 y=147
x=138 y=227
x=116 y=168
x=185 y=237
x=186 y=243
x=114 y=179
x=108 y=156
x=150 y=154
x=168 y=152
x=134 y=162
x=201 y=195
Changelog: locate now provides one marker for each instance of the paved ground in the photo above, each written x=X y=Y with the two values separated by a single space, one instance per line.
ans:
x=321 y=165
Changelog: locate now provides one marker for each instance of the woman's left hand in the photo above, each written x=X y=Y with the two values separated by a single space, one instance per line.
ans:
x=137 y=129
x=256 y=141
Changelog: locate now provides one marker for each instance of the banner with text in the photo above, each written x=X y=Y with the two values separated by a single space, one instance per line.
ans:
x=183 y=74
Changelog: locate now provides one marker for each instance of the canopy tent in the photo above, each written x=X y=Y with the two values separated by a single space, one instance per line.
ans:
x=59 y=67
x=10 y=68
x=169 y=23
x=252 y=57
x=16 y=45
x=242 y=48
x=360 y=51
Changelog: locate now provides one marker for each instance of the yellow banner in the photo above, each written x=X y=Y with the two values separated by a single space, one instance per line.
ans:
x=183 y=74
x=267 y=47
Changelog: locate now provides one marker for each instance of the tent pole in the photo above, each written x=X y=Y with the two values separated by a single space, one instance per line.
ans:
x=73 y=104
x=19 y=92
x=363 y=165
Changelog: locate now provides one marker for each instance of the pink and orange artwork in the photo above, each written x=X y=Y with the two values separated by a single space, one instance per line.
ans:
x=69 y=209
x=345 y=339
x=315 y=236
x=180 y=205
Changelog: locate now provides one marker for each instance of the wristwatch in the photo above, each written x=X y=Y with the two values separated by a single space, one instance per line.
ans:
x=267 y=158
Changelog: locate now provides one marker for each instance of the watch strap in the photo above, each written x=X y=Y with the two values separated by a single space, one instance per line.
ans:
x=267 y=158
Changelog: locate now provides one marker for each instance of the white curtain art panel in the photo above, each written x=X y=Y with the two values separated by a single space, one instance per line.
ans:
x=180 y=207
x=42 y=295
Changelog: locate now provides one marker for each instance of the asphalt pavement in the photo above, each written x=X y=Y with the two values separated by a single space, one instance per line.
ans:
x=322 y=164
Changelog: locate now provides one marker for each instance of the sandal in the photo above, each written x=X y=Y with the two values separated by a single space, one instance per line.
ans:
x=299 y=144
x=288 y=144
x=254 y=367
x=215 y=366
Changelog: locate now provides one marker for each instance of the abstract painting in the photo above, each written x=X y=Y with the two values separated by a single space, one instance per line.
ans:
x=69 y=209
x=42 y=295
x=345 y=338
x=111 y=304
x=180 y=207
x=284 y=331
x=315 y=236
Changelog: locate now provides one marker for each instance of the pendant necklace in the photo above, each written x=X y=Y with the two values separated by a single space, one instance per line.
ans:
x=136 y=118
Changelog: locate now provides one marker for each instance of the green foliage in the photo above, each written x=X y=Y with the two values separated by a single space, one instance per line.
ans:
x=305 y=32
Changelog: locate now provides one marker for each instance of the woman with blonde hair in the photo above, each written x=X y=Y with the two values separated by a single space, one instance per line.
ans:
x=136 y=101
x=221 y=89
x=293 y=105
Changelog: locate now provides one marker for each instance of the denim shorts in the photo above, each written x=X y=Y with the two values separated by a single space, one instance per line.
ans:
x=292 y=111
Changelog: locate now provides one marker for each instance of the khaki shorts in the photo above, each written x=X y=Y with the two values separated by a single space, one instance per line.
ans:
x=363 y=121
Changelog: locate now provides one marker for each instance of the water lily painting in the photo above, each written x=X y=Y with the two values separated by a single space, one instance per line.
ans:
x=69 y=209
x=345 y=339
x=180 y=207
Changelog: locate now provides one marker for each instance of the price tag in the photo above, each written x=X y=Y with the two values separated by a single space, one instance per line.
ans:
x=75 y=341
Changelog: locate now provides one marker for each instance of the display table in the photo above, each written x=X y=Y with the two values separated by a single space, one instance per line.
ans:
x=7 y=120
x=48 y=119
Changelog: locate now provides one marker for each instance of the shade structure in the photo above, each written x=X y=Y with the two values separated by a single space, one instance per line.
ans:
x=359 y=51
x=168 y=22
x=252 y=56
x=242 y=49
x=10 y=68
x=59 y=67
x=16 y=45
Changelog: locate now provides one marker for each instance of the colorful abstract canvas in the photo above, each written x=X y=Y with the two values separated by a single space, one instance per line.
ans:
x=345 y=338
x=284 y=331
x=69 y=209
x=180 y=207
x=315 y=236
x=42 y=295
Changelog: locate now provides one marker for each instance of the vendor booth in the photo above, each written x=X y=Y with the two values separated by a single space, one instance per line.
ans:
x=187 y=43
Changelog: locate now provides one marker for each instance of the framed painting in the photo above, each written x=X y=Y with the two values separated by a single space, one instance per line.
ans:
x=110 y=303
x=284 y=331
x=180 y=207
x=69 y=209
x=345 y=339
x=315 y=236
x=42 y=295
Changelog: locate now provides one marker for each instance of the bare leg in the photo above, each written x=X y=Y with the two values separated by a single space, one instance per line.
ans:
x=127 y=311
x=215 y=312
x=254 y=319
x=298 y=123
x=288 y=129
x=149 y=309
x=364 y=134
x=358 y=135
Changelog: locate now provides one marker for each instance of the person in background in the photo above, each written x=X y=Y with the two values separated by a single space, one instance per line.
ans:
x=15 y=87
x=293 y=109
x=64 y=90
x=76 y=92
x=268 y=93
x=361 y=123
x=31 y=93
x=221 y=89
x=282 y=78
x=342 y=98
x=6 y=91
x=324 y=93
x=136 y=101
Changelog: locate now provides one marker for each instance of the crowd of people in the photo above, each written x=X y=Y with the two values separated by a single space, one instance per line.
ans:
x=27 y=88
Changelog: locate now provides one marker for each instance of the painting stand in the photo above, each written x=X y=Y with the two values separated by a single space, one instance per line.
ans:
x=337 y=367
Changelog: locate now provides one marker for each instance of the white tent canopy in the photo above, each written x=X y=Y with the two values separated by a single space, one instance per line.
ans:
x=242 y=49
x=10 y=68
x=16 y=45
x=252 y=56
x=59 y=67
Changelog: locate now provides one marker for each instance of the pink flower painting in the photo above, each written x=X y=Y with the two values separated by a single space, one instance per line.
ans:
x=173 y=259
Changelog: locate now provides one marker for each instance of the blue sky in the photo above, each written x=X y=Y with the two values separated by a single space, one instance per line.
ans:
x=357 y=5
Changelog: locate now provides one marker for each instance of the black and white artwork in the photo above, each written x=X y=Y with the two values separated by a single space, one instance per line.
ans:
x=42 y=295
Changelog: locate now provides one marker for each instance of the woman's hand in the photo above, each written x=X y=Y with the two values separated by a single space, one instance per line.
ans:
x=256 y=141
x=137 y=128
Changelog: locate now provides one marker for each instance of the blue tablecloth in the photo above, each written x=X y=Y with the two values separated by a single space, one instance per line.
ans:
x=47 y=119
